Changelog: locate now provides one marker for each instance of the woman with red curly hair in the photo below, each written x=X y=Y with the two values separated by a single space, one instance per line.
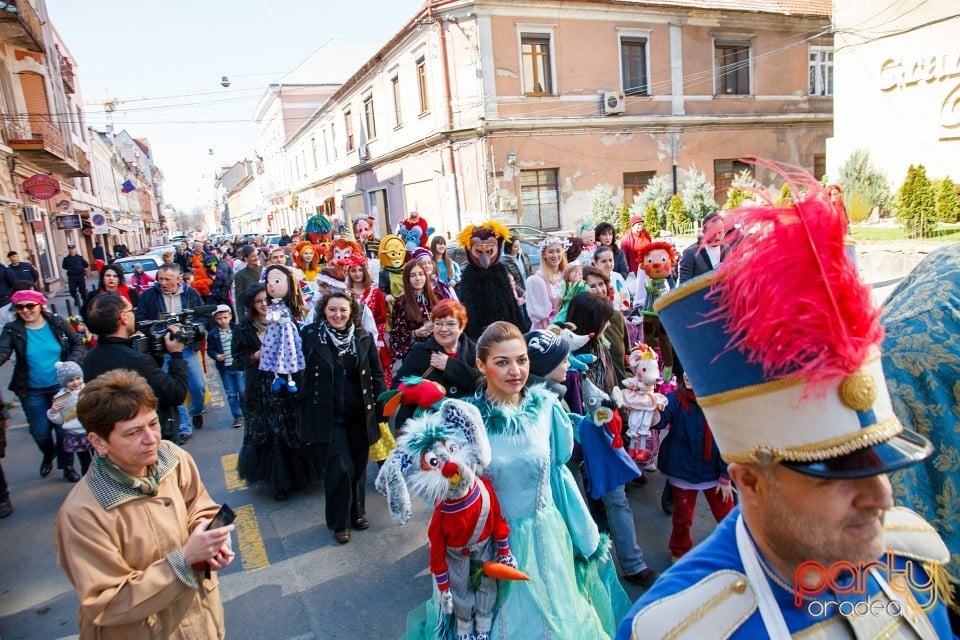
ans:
x=307 y=259
x=361 y=287
x=448 y=356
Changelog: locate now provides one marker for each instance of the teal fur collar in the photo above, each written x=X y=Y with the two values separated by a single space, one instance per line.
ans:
x=513 y=420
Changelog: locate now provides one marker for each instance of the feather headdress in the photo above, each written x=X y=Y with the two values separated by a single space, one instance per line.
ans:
x=491 y=227
x=791 y=298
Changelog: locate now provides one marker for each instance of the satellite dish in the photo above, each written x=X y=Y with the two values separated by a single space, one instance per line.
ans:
x=224 y=82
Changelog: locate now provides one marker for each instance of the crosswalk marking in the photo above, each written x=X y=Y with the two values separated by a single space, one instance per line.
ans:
x=253 y=555
x=230 y=475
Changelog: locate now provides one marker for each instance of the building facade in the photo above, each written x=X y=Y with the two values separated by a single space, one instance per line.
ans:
x=518 y=110
x=898 y=86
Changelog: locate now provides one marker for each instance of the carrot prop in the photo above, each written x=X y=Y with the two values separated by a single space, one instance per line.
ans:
x=500 y=571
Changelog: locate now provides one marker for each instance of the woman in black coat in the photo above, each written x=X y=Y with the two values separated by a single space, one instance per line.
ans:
x=447 y=356
x=338 y=406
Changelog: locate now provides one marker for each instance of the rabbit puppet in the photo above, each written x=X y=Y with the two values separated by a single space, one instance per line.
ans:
x=440 y=457
x=640 y=399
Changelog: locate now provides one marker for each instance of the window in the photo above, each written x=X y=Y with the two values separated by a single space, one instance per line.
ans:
x=634 y=183
x=313 y=151
x=397 y=114
x=731 y=64
x=819 y=166
x=540 y=199
x=368 y=117
x=821 y=71
x=536 y=64
x=348 y=128
x=422 y=85
x=633 y=63
x=724 y=171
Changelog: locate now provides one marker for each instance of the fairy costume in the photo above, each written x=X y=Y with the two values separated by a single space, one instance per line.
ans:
x=573 y=592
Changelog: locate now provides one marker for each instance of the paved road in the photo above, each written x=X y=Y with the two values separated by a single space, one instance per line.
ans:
x=290 y=579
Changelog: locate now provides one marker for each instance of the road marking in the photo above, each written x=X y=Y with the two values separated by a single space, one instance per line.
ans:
x=230 y=475
x=253 y=555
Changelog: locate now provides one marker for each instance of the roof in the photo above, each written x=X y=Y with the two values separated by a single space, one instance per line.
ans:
x=332 y=63
x=787 y=7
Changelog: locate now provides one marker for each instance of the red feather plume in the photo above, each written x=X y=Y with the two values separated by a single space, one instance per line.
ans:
x=791 y=298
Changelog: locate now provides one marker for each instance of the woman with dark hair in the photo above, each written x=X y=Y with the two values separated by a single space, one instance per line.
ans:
x=271 y=453
x=40 y=339
x=447 y=268
x=591 y=313
x=338 y=407
x=607 y=237
x=411 y=311
x=112 y=280
x=448 y=356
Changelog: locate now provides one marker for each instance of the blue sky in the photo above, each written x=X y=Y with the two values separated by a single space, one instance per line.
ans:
x=174 y=53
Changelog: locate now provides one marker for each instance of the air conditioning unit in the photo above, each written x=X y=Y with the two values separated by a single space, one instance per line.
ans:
x=508 y=203
x=363 y=151
x=31 y=213
x=614 y=102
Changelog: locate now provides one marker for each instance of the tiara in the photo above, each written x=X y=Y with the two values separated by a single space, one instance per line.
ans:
x=549 y=240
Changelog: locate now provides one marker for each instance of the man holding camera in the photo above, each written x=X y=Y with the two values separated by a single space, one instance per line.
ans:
x=168 y=297
x=110 y=316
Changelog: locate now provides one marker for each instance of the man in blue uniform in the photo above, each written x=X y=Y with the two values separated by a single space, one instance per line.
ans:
x=781 y=345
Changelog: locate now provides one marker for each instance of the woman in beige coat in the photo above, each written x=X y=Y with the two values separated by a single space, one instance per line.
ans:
x=133 y=533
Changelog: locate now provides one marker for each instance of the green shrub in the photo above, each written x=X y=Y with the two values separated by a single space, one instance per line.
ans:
x=677 y=219
x=948 y=206
x=864 y=183
x=651 y=221
x=916 y=203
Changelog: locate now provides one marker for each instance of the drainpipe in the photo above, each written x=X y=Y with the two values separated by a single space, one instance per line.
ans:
x=450 y=163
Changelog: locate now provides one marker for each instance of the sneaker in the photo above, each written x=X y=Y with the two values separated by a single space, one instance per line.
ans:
x=237 y=423
x=644 y=578
x=198 y=422
x=6 y=508
x=71 y=475
x=184 y=438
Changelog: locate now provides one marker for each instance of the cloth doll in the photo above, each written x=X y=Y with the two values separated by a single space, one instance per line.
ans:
x=572 y=285
x=485 y=279
x=641 y=400
x=414 y=231
x=282 y=352
x=341 y=249
x=440 y=458
x=657 y=260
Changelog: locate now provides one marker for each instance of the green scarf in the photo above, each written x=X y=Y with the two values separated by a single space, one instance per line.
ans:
x=148 y=485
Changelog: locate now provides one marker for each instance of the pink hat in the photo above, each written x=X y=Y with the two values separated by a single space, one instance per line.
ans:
x=28 y=296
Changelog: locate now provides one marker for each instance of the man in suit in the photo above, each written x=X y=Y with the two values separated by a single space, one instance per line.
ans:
x=705 y=254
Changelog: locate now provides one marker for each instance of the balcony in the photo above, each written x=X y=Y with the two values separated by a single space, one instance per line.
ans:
x=40 y=143
x=68 y=75
x=20 y=26
x=83 y=163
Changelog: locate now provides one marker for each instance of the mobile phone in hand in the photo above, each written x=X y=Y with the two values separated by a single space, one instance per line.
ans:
x=224 y=517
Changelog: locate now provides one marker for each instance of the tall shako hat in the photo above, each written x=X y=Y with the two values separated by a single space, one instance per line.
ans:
x=781 y=345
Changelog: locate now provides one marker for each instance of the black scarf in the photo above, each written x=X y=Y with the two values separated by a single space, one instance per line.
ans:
x=341 y=340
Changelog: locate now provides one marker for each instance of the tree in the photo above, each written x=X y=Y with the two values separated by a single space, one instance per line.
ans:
x=188 y=221
x=740 y=189
x=864 y=186
x=677 y=219
x=624 y=225
x=656 y=193
x=651 y=221
x=603 y=206
x=697 y=195
x=786 y=196
x=948 y=206
x=916 y=203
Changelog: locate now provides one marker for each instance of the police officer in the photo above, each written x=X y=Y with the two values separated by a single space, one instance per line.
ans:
x=23 y=270
x=785 y=364
x=76 y=267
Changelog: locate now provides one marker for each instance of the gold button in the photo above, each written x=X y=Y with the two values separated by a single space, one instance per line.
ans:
x=740 y=586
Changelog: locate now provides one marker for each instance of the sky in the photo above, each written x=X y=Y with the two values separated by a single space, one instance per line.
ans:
x=174 y=53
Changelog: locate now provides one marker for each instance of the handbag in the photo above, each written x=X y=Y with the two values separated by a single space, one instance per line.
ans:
x=380 y=449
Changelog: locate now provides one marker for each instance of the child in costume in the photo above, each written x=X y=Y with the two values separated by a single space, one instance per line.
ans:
x=63 y=412
x=572 y=285
x=282 y=352
x=307 y=259
x=443 y=454
x=392 y=255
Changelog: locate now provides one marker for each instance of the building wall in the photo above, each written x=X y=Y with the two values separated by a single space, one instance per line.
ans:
x=898 y=96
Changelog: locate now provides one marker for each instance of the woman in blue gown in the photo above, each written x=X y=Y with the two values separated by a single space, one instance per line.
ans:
x=573 y=592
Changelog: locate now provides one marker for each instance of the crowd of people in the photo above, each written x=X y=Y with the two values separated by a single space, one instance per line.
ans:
x=309 y=346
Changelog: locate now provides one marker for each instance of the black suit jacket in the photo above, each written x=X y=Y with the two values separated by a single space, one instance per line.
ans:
x=695 y=261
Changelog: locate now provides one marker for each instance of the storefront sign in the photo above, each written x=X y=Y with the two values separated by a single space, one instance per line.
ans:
x=71 y=221
x=41 y=187
x=921 y=69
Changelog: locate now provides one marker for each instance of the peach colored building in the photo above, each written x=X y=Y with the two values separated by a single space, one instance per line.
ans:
x=519 y=109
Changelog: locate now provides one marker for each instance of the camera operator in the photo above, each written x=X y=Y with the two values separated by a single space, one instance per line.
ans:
x=110 y=316
x=169 y=296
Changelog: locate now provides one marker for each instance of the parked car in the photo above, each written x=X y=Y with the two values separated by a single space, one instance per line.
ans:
x=149 y=263
x=528 y=246
x=527 y=233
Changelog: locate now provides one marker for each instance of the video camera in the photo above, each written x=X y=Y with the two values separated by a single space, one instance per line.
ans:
x=182 y=327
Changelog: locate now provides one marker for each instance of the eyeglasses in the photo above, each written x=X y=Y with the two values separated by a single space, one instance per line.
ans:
x=450 y=324
x=26 y=306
